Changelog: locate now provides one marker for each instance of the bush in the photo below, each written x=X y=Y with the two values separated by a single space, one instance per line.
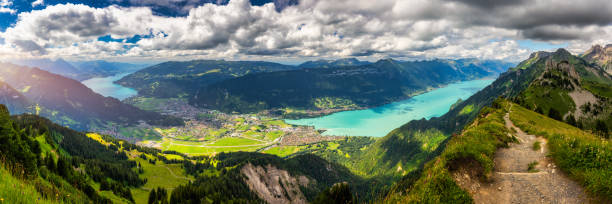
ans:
x=531 y=167
x=536 y=146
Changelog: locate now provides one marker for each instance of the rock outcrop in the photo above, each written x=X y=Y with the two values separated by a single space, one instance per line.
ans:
x=275 y=185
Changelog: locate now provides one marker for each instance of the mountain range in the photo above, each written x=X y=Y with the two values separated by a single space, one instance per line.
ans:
x=80 y=70
x=601 y=56
x=518 y=84
x=361 y=86
x=560 y=100
x=67 y=101
x=174 y=79
x=13 y=99
x=333 y=63
x=560 y=72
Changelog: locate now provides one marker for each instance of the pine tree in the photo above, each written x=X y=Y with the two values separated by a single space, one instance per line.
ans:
x=152 y=197
x=554 y=114
x=50 y=162
x=570 y=120
x=602 y=129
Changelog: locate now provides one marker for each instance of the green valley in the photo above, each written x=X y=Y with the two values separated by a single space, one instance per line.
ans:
x=256 y=157
x=305 y=101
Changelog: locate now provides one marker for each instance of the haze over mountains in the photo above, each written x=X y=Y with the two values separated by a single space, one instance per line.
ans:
x=13 y=99
x=67 y=101
x=80 y=70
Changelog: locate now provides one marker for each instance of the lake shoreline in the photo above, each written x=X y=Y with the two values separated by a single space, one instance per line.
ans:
x=379 y=120
x=107 y=87
x=321 y=113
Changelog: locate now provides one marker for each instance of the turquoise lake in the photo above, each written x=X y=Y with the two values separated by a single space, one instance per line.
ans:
x=104 y=86
x=381 y=120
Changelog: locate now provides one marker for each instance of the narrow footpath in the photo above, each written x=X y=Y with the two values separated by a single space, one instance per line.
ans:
x=515 y=182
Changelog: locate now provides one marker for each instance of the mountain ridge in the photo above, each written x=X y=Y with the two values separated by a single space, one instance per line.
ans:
x=69 y=102
x=378 y=83
x=601 y=56
x=322 y=63
x=184 y=78
x=79 y=70
x=513 y=84
x=13 y=99
x=417 y=162
x=398 y=147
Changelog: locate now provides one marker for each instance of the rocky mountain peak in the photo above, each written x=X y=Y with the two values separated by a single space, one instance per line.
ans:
x=598 y=52
x=601 y=56
x=539 y=54
x=562 y=52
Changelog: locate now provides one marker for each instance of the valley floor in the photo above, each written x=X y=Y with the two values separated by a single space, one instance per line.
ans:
x=523 y=174
x=208 y=132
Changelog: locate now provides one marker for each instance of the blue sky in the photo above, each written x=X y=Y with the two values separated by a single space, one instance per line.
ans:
x=6 y=19
x=293 y=31
x=538 y=45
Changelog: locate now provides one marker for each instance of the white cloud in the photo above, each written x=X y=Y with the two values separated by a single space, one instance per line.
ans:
x=5 y=7
x=38 y=3
x=314 y=28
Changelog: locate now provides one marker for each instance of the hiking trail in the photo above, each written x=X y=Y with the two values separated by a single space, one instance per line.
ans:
x=514 y=182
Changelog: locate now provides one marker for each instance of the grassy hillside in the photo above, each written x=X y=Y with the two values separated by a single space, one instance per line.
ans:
x=70 y=103
x=179 y=79
x=407 y=148
x=55 y=163
x=404 y=150
x=476 y=145
x=570 y=89
x=585 y=157
x=343 y=87
x=46 y=156
x=14 y=190
x=68 y=166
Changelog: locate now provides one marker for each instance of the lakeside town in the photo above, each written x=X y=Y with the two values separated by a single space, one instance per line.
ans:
x=210 y=131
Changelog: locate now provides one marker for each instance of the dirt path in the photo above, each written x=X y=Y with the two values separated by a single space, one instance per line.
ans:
x=514 y=183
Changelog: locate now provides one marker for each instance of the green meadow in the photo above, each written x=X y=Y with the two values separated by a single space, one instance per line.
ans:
x=168 y=176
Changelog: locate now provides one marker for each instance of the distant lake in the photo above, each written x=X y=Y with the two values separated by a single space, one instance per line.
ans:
x=104 y=86
x=381 y=120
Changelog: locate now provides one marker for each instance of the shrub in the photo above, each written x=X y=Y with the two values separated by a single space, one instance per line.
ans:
x=531 y=167
x=536 y=146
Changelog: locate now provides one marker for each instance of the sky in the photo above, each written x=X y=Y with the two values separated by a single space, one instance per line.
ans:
x=298 y=30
